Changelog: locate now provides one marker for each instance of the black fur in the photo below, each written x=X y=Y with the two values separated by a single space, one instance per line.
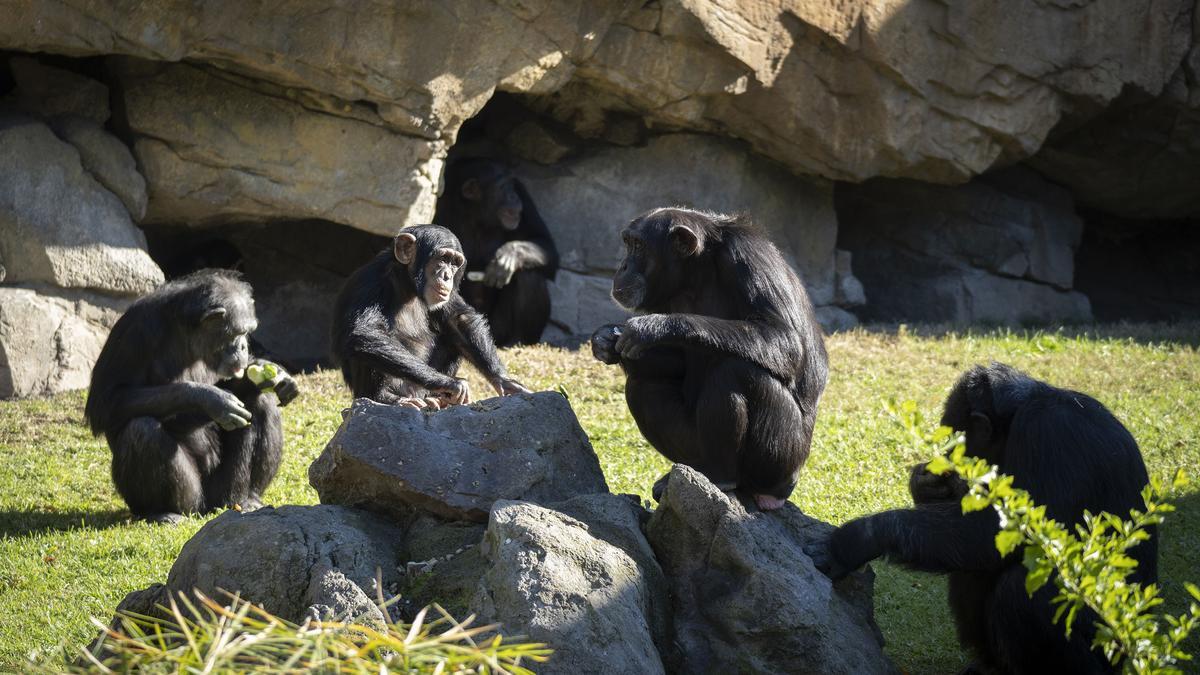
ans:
x=391 y=345
x=1063 y=447
x=727 y=364
x=519 y=310
x=164 y=396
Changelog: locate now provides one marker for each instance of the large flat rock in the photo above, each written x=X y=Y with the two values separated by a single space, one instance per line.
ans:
x=456 y=463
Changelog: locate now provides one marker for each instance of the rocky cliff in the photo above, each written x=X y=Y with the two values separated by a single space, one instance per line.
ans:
x=858 y=132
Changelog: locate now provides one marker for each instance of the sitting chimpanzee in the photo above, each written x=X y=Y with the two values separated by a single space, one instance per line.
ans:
x=188 y=431
x=725 y=368
x=400 y=327
x=1063 y=447
x=510 y=254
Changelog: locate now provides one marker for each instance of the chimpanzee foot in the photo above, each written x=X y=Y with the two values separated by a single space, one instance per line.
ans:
x=163 y=518
x=769 y=502
x=251 y=503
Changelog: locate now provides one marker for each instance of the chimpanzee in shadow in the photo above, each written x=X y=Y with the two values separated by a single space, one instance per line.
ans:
x=400 y=327
x=188 y=431
x=1063 y=447
x=727 y=362
x=511 y=256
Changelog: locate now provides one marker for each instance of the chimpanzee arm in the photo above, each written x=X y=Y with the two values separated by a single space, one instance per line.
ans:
x=164 y=400
x=931 y=538
x=368 y=340
x=759 y=342
x=471 y=336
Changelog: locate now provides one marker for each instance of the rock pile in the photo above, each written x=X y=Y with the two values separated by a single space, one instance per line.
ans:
x=519 y=528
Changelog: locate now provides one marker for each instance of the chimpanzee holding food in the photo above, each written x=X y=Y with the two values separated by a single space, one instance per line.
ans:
x=400 y=327
x=511 y=256
x=189 y=430
x=726 y=363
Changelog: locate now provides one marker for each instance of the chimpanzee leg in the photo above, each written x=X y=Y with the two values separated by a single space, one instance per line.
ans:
x=249 y=456
x=1024 y=637
x=521 y=310
x=751 y=431
x=157 y=474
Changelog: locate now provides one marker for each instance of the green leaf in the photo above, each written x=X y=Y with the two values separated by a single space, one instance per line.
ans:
x=974 y=503
x=939 y=465
x=1007 y=541
x=1181 y=480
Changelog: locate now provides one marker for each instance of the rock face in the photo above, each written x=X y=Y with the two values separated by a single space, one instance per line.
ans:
x=456 y=463
x=296 y=561
x=747 y=598
x=71 y=258
x=1000 y=249
x=589 y=585
x=50 y=338
x=589 y=198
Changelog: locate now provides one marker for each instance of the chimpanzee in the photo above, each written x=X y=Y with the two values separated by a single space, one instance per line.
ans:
x=1069 y=452
x=188 y=431
x=726 y=365
x=400 y=327
x=510 y=253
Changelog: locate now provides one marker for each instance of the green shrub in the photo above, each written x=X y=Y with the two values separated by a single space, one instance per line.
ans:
x=1089 y=564
x=207 y=637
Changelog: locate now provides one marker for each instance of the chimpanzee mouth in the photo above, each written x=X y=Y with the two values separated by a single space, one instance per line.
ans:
x=509 y=218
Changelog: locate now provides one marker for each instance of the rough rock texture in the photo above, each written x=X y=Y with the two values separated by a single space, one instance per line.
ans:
x=580 y=577
x=50 y=338
x=60 y=226
x=589 y=198
x=107 y=159
x=852 y=90
x=457 y=462
x=999 y=249
x=47 y=91
x=216 y=150
x=747 y=598
x=295 y=561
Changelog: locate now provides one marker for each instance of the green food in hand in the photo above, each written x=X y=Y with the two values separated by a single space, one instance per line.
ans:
x=261 y=374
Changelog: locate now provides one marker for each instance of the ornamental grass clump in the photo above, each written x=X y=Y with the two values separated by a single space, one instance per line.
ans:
x=204 y=636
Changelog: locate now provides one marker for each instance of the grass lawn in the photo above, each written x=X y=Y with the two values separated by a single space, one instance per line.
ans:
x=68 y=550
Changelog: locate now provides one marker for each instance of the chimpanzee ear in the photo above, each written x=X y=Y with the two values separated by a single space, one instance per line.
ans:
x=471 y=190
x=979 y=428
x=684 y=240
x=405 y=248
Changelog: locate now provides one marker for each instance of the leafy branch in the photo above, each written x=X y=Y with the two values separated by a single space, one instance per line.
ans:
x=1089 y=563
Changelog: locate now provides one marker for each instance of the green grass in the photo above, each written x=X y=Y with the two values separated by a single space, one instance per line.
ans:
x=68 y=550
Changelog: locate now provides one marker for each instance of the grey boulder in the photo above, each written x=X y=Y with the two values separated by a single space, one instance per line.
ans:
x=747 y=597
x=457 y=462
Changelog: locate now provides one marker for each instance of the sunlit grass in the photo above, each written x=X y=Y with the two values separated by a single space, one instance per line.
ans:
x=68 y=550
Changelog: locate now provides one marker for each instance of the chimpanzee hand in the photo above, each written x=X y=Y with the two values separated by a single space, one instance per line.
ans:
x=930 y=488
x=225 y=409
x=507 y=387
x=503 y=266
x=452 y=391
x=604 y=344
x=639 y=334
x=848 y=548
x=282 y=384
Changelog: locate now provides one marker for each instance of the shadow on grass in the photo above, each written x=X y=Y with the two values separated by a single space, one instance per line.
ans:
x=25 y=523
x=1179 y=333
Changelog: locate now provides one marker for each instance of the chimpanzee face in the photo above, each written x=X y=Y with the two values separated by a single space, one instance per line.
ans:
x=654 y=268
x=434 y=260
x=970 y=409
x=223 y=338
x=496 y=198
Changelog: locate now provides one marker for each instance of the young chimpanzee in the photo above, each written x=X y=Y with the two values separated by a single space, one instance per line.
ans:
x=510 y=253
x=188 y=431
x=1063 y=447
x=400 y=327
x=725 y=368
